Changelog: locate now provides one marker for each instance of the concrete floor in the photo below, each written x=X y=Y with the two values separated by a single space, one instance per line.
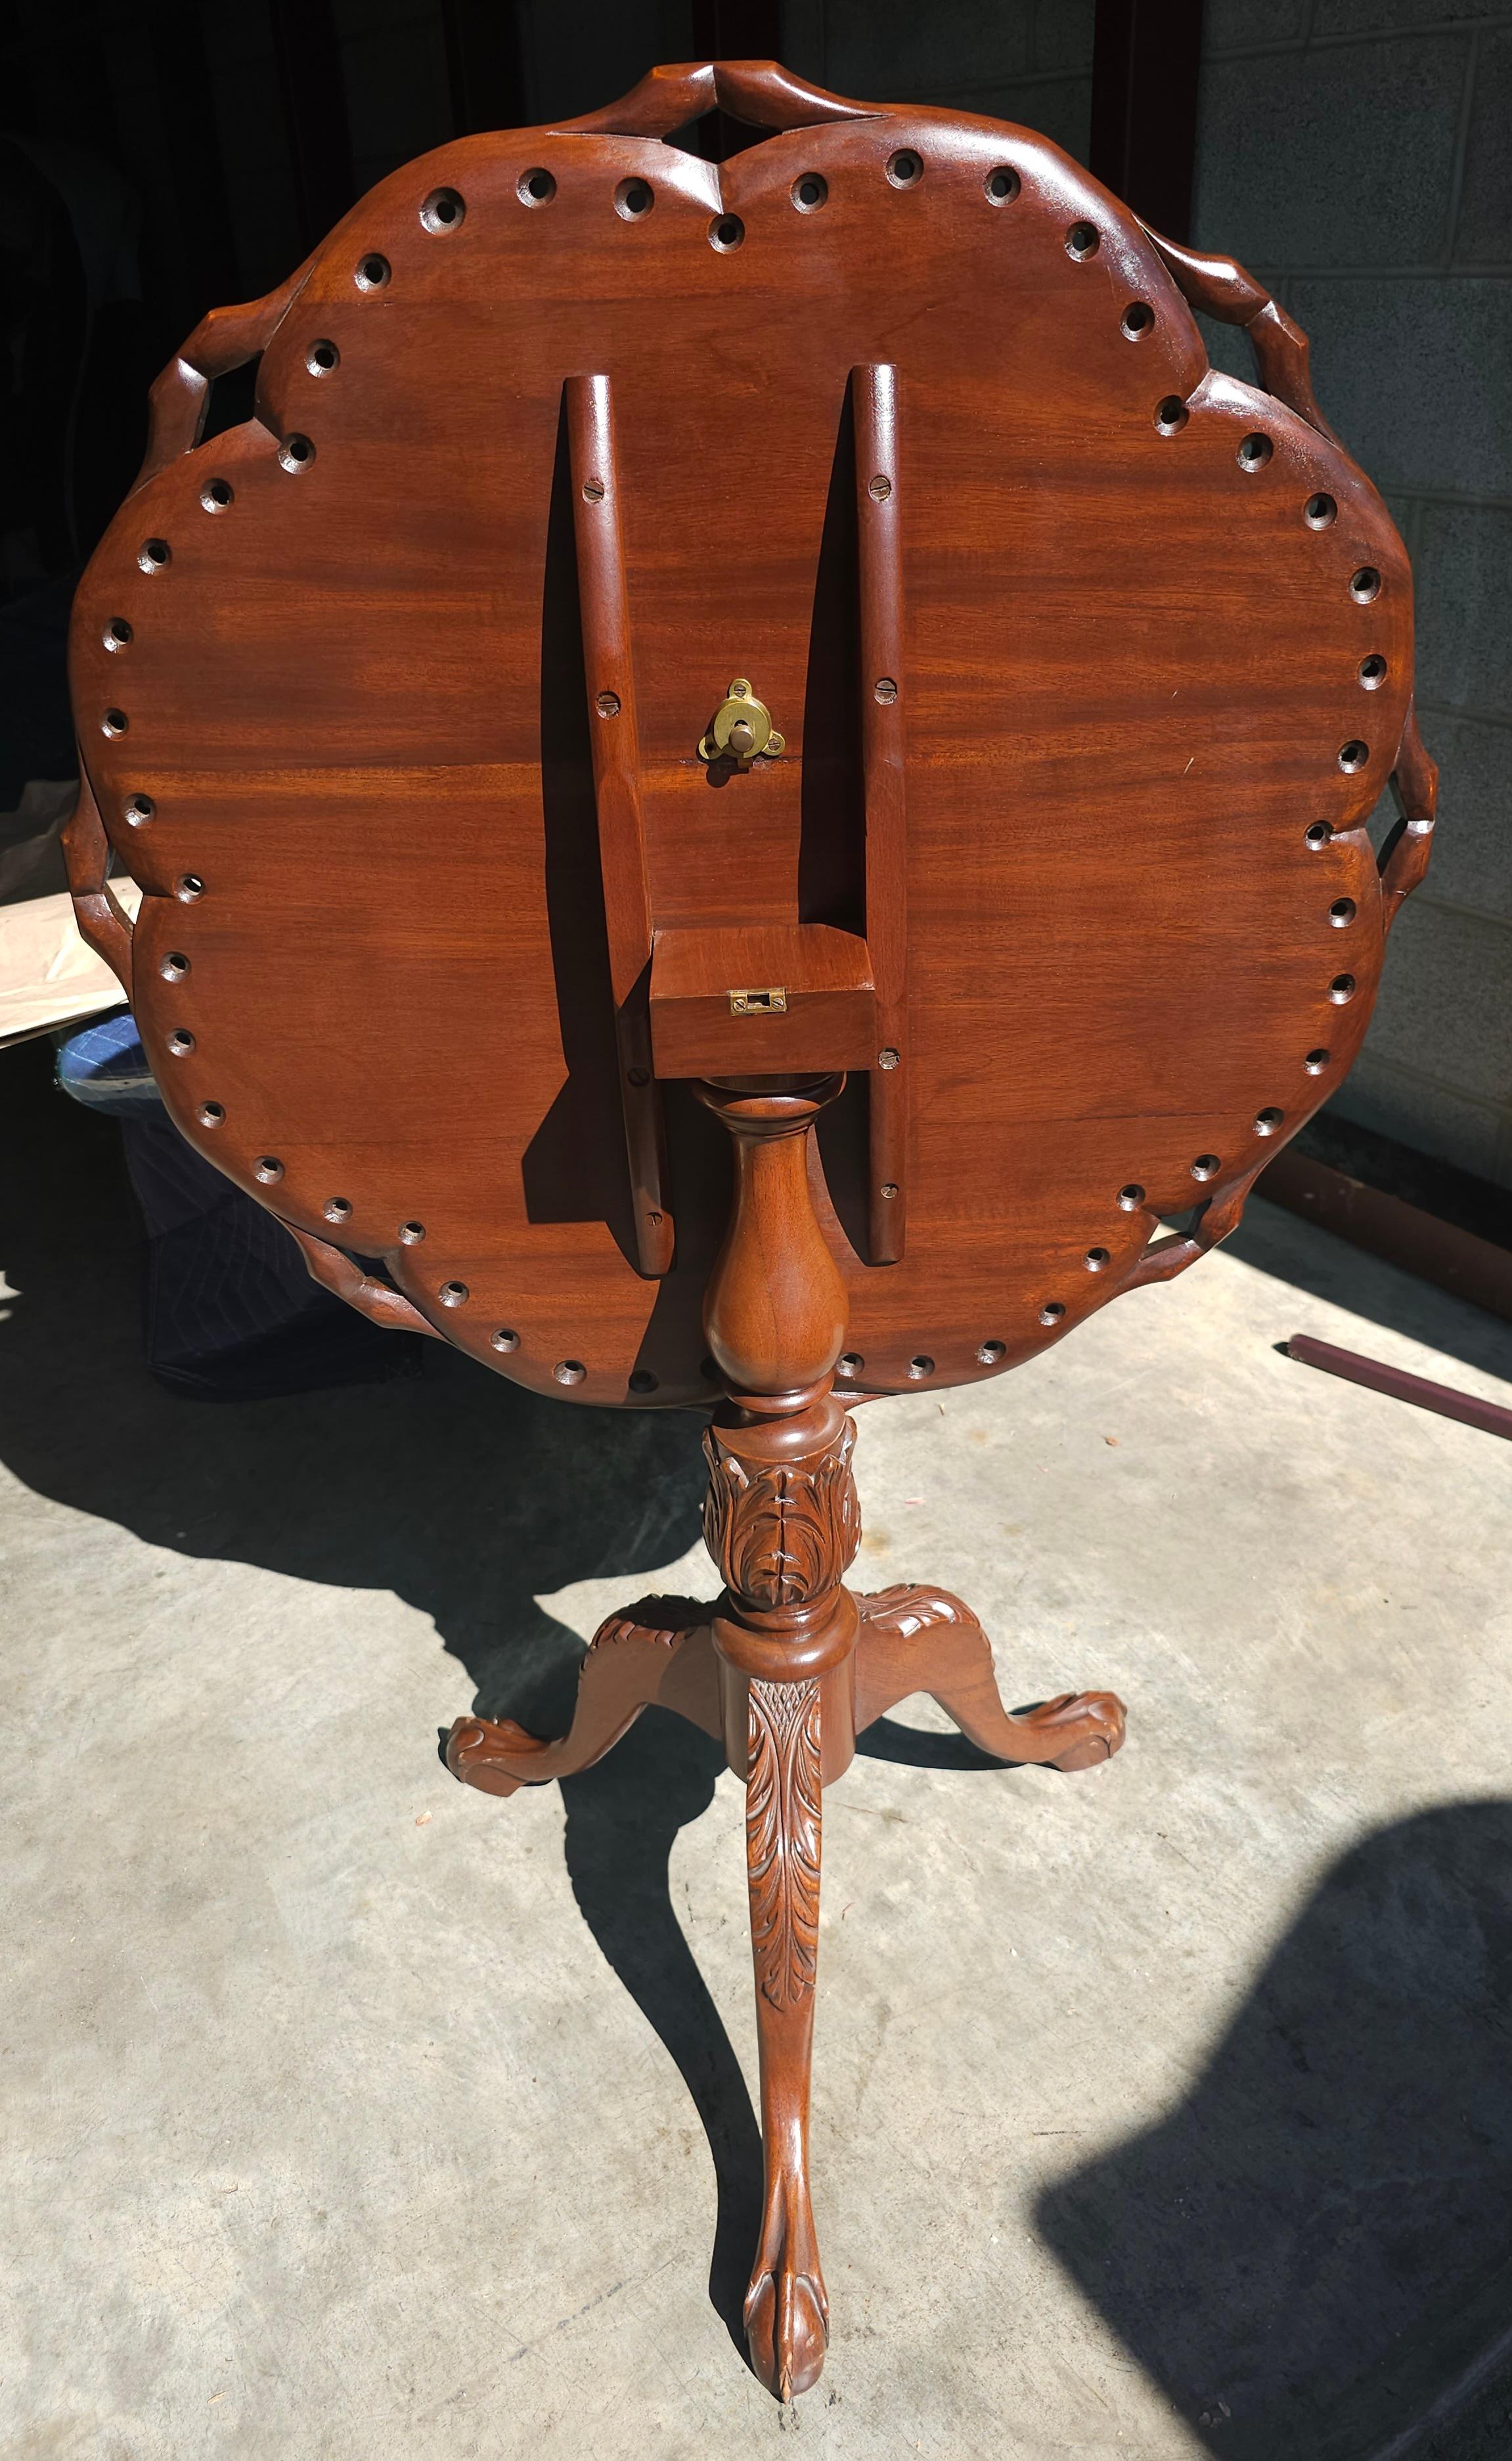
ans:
x=1158 y=2111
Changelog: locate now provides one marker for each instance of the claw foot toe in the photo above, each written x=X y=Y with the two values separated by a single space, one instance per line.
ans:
x=787 y=2330
x=475 y=1750
x=1086 y=1726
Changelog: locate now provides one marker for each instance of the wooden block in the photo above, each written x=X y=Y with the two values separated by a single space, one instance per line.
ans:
x=769 y=1000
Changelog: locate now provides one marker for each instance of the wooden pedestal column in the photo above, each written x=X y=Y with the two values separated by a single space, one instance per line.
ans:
x=782 y=1523
x=788 y=1663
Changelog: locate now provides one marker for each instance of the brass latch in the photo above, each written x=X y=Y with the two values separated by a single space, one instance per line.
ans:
x=767 y=1003
x=742 y=729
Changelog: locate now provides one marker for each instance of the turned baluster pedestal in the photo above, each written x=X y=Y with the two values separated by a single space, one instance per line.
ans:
x=789 y=1665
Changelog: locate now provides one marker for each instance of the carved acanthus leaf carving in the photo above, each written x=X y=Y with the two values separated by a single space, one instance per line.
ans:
x=663 y=1620
x=782 y=1838
x=787 y=1533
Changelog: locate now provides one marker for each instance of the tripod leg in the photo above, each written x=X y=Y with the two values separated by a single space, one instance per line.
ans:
x=786 y=2311
x=918 y=1639
x=660 y=1651
x=782 y=1524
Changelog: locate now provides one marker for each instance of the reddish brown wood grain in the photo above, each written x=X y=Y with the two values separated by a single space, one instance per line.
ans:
x=1224 y=290
x=782 y=1522
x=102 y=921
x=828 y=1018
x=1132 y=663
x=885 y=696
x=609 y=676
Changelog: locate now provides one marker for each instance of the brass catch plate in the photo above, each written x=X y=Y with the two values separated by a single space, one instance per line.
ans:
x=743 y=729
x=772 y=1002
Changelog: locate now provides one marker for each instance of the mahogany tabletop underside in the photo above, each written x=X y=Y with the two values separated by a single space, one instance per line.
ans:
x=354 y=697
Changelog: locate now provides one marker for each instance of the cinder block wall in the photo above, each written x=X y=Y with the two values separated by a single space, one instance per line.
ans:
x=1029 y=60
x=1356 y=154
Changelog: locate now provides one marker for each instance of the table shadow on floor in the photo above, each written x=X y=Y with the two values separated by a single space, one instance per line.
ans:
x=1311 y=2254
x=462 y=1494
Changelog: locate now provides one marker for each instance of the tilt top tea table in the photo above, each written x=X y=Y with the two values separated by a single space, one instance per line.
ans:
x=746 y=778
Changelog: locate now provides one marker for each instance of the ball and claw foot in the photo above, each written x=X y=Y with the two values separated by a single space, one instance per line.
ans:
x=659 y=1650
x=915 y=1638
x=786 y=2312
